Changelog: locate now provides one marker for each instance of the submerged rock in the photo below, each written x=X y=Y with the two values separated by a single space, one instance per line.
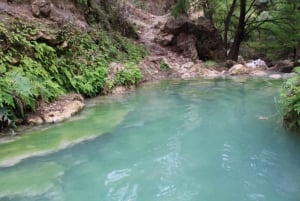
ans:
x=259 y=73
x=275 y=76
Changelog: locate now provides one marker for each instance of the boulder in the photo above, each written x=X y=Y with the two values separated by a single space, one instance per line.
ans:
x=34 y=120
x=165 y=39
x=57 y=111
x=229 y=63
x=201 y=36
x=238 y=69
x=122 y=89
x=187 y=46
x=257 y=64
x=41 y=8
x=66 y=112
x=284 y=66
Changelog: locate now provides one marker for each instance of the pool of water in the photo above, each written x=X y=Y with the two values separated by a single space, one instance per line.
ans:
x=210 y=140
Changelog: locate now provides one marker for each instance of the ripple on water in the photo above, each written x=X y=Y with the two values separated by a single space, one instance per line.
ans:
x=182 y=141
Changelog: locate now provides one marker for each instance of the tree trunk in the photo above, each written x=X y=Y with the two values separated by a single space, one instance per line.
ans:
x=227 y=24
x=207 y=11
x=239 y=34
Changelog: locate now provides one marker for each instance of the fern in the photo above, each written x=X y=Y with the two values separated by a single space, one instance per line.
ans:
x=290 y=102
x=32 y=71
x=131 y=75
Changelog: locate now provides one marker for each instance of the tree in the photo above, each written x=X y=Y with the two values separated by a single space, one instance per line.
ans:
x=239 y=32
x=281 y=35
x=242 y=20
x=180 y=8
x=238 y=19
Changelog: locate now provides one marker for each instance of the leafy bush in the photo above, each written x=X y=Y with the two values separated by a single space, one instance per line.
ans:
x=6 y=119
x=290 y=102
x=210 y=63
x=180 y=8
x=164 y=66
x=34 y=70
x=130 y=75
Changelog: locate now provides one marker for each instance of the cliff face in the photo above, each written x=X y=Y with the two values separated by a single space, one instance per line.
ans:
x=44 y=11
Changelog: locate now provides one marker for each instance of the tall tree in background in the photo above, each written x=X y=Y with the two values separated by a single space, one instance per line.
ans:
x=238 y=19
x=180 y=8
x=281 y=35
x=243 y=20
x=239 y=32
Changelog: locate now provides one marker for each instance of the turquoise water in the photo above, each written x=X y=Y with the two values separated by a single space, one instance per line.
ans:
x=210 y=140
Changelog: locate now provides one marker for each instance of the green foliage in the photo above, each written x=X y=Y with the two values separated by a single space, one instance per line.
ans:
x=280 y=36
x=180 y=8
x=130 y=75
x=290 y=102
x=210 y=63
x=6 y=119
x=32 y=71
x=164 y=66
x=82 y=2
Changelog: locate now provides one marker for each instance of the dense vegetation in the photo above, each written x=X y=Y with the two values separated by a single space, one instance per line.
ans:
x=290 y=102
x=38 y=63
x=268 y=27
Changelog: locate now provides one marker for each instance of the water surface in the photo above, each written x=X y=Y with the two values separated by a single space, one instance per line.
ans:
x=210 y=140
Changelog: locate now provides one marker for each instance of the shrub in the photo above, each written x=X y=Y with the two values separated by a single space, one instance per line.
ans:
x=164 y=66
x=34 y=70
x=290 y=102
x=130 y=75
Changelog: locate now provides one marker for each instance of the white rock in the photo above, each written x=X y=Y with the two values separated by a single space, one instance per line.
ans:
x=257 y=64
x=238 y=69
x=275 y=76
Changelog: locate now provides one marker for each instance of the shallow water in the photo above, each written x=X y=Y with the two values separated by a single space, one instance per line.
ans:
x=210 y=140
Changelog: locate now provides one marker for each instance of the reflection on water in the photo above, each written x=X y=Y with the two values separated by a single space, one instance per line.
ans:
x=182 y=141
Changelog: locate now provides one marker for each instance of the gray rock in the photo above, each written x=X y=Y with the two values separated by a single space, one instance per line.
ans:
x=57 y=111
x=165 y=40
x=41 y=8
x=187 y=46
x=284 y=66
x=201 y=37
x=66 y=112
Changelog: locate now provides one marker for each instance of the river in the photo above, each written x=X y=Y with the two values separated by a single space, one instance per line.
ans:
x=210 y=140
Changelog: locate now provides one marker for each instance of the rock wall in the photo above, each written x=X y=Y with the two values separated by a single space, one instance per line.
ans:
x=196 y=40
